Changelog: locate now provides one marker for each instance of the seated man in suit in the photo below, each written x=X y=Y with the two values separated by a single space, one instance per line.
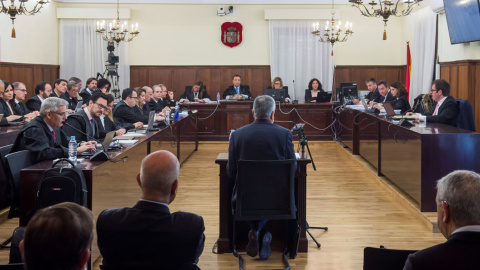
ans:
x=237 y=91
x=384 y=92
x=71 y=96
x=42 y=91
x=124 y=112
x=58 y=237
x=82 y=124
x=43 y=137
x=20 y=91
x=261 y=140
x=446 y=108
x=157 y=102
x=196 y=93
x=373 y=93
x=105 y=124
x=161 y=240
x=458 y=212
x=89 y=90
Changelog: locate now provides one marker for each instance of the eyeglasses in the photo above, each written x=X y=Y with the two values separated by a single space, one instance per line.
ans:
x=60 y=114
x=101 y=106
x=133 y=97
x=23 y=90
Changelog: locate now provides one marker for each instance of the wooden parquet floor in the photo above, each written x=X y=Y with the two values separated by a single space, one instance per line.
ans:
x=341 y=194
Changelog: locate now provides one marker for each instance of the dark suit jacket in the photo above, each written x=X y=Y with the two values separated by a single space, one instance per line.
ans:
x=160 y=104
x=109 y=126
x=148 y=236
x=190 y=95
x=372 y=96
x=62 y=96
x=401 y=103
x=381 y=99
x=21 y=109
x=72 y=101
x=5 y=110
x=38 y=139
x=230 y=91
x=459 y=252
x=125 y=114
x=80 y=121
x=146 y=109
x=34 y=103
x=308 y=95
x=447 y=113
x=85 y=95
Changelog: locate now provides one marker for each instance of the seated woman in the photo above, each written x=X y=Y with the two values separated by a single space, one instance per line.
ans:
x=104 y=85
x=198 y=93
x=7 y=106
x=400 y=100
x=277 y=83
x=141 y=92
x=105 y=121
x=314 y=86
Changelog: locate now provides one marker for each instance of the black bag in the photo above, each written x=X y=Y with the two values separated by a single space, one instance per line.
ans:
x=57 y=185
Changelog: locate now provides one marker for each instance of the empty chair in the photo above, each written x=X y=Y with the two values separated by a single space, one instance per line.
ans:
x=4 y=184
x=15 y=162
x=466 y=118
x=265 y=191
x=382 y=258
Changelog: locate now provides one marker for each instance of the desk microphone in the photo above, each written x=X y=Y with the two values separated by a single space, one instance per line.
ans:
x=98 y=156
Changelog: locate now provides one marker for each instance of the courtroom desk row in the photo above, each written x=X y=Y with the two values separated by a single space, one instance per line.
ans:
x=225 y=237
x=179 y=138
x=413 y=158
x=8 y=134
x=215 y=121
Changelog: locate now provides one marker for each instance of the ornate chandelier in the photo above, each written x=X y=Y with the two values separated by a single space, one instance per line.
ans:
x=116 y=31
x=13 y=11
x=331 y=35
x=385 y=10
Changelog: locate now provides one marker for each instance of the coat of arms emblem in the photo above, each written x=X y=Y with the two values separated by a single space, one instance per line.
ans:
x=232 y=34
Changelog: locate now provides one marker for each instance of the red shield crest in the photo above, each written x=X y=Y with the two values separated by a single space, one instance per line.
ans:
x=232 y=34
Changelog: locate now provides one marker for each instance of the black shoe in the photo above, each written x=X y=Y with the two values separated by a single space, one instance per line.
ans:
x=252 y=246
x=265 y=252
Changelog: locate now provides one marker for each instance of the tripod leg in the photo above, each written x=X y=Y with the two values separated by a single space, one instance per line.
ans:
x=314 y=240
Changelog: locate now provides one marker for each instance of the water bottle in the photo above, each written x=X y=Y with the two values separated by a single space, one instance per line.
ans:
x=167 y=118
x=218 y=97
x=72 y=150
x=177 y=112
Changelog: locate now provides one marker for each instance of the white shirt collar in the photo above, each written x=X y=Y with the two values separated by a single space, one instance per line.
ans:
x=41 y=99
x=441 y=101
x=157 y=202
x=470 y=228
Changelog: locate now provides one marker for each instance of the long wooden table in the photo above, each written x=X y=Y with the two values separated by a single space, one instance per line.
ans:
x=217 y=120
x=226 y=189
x=413 y=158
x=179 y=138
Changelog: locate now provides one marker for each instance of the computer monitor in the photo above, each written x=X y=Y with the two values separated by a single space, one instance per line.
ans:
x=277 y=94
x=348 y=91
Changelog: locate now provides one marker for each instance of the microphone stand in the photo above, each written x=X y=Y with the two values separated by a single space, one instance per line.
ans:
x=98 y=156
x=304 y=142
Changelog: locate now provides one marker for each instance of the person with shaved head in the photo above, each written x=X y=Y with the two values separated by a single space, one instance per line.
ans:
x=148 y=236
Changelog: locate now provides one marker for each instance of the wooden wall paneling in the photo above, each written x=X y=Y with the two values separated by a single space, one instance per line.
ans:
x=259 y=80
x=211 y=77
x=462 y=82
x=342 y=74
x=161 y=75
x=445 y=72
x=181 y=78
x=454 y=80
x=138 y=77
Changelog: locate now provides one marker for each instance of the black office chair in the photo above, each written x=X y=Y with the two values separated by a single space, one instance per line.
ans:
x=15 y=162
x=4 y=184
x=465 y=118
x=383 y=258
x=265 y=190
x=13 y=266
x=15 y=255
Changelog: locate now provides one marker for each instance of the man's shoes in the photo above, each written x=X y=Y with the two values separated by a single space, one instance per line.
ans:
x=252 y=246
x=265 y=252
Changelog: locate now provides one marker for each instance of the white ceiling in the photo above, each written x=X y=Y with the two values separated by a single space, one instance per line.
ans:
x=213 y=2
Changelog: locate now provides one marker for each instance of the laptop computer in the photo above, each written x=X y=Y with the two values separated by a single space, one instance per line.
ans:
x=151 y=120
x=323 y=97
x=389 y=109
x=79 y=106
x=105 y=145
x=364 y=103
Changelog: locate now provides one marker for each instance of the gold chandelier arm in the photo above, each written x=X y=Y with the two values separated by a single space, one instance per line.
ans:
x=38 y=6
x=364 y=10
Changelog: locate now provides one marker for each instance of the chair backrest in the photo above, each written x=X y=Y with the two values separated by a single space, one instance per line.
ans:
x=4 y=182
x=15 y=162
x=265 y=190
x=14 y=266
x=466 y=118
x=382 y=258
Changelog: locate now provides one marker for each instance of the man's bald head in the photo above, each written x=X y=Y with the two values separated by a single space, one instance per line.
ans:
x=159 y=175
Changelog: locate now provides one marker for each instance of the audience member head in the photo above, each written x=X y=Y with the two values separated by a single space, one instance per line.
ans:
x=458 y=201
x=77 y=81
x=264 y=108
x=398 y=89
x=315 y=84
x=97 y=104
x=164 y=90
x=58 y=238
x=440 y=89
x=8 y=92
x=236 y=80
x=43 y=90
x=382 y=87
x=110 y=100
x=19 y=91
x=277 y=83
x=198 y=87
x=54 y=111
x=158 y=177
x=148 y=93
x=72 y=89
x=92 y=84
x=60 y=86
x=104 y=85
x=141 y=96
x=130 y=97
x=371 y=84
x=157 y=92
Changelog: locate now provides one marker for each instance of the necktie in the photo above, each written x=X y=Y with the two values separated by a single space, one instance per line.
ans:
x=54 y=138
x=436 y=109
x=237 y=89
x=92 y=123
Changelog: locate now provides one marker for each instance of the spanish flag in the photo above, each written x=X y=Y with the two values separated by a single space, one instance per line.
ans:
x=409 y=69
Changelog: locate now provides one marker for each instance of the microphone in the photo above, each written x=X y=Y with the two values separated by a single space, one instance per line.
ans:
x=98 y=156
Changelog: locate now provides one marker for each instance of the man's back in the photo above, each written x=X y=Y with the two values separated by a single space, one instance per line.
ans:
x=147 y=236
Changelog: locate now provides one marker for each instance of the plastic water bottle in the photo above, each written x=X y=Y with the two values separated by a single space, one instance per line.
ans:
x=218 y=97
x=177 y=112
x=167 y=118
x=72 y=150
